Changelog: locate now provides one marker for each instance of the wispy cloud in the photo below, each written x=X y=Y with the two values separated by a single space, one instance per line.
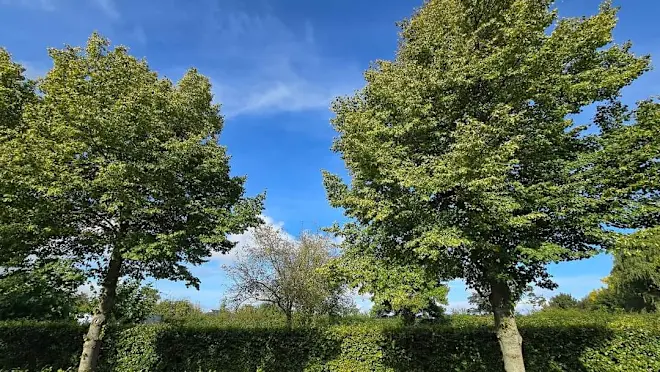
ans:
x=108 y=7
x=34 y=70
x=267 y=65
x=46 y=5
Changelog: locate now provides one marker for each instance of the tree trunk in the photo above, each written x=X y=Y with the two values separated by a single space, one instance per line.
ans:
x=289 y=319
x=92 y=345
x=408 y=317
x=506 y=329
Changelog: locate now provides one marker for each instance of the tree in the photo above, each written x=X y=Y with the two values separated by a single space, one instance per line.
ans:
x=134 y=302
x=133 y=166
x=635 y=279
x=480 y=304
x=26 y=220
x=462 y=158
x=628 y=165
x=177 y=311
x=603 y=299
x=634 y=283
x=47 y=291
x=629 y=172
x=289 y=273
x=563 y=301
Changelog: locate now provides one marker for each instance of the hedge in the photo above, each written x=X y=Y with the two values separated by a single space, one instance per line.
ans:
x=552 y=342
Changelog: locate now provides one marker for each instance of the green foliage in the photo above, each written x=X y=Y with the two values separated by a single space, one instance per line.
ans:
x=46 y=291
x=26 y=219
x=463 y=163
x=295 y=275
x=590 y=342
x=126 y=170
x=480 y=304
x=563 y=301
x=134 y=302
x=33 y=346
x=137 y=160
x=629 y=171
x=634 y=283
x=635 y=277
x=431 y=312
x=177 y=311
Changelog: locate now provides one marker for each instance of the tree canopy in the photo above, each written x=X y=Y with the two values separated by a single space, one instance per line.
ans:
x=462 y=156
x=130 y=165
x=291 y=274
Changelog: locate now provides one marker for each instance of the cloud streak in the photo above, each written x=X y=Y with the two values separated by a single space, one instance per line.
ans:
x=45 y=5
x=108 y=7
x=268 y=66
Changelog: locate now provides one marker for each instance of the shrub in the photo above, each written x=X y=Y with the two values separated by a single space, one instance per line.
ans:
x=33 y=346
x=554 y=341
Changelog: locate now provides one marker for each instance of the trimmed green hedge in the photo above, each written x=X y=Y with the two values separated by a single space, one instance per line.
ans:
x=33 y=346
x=552 y=342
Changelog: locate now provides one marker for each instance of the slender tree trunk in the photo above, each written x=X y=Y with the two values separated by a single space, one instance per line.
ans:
x=289 y=319
x=92 y=345
x=506 y=329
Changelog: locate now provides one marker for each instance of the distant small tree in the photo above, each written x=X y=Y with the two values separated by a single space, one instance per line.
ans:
x=288 y=273
x=634 y=283
x=563 y=301
x=177 y=311
x=480 y=304
x=603 y=299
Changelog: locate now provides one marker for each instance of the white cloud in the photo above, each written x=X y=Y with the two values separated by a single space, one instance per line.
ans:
x=139 y=35
x=33 y=70
x=270 y=66
x=108 y=7
x=242 y=240
x=46 y=5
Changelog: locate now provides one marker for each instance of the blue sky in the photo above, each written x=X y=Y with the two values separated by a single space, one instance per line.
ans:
x=276 y=66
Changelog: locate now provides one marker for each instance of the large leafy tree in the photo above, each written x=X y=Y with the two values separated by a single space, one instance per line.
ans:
x=133 y=165
x=635 y=278
x=462 y=158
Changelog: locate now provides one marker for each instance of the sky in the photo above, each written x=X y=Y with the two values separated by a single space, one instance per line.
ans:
x=276 y=66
